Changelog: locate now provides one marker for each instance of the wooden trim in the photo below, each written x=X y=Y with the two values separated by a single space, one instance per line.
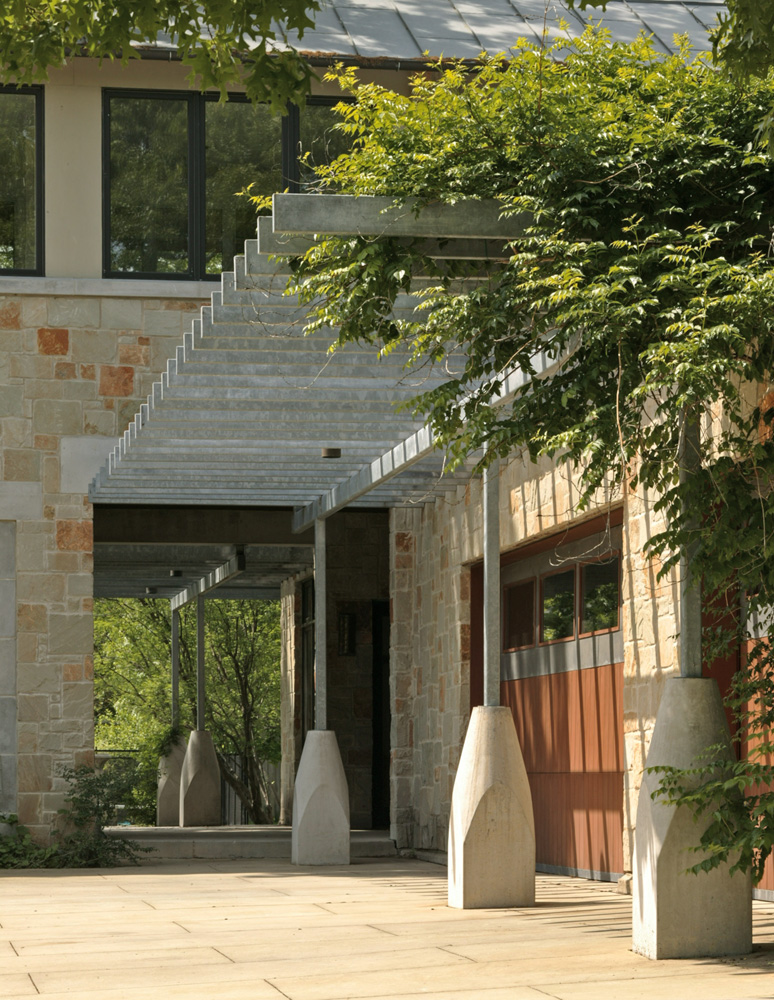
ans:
x=613 y=518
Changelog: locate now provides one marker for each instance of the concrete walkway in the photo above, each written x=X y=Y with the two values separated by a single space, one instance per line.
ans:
x=264 y=930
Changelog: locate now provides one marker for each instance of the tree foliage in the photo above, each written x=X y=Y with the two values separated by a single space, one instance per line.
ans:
x=642 y=272
x=132 y=681
x=225 y=42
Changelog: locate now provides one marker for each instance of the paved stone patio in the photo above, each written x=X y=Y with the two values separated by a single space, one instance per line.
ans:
x=264 y=930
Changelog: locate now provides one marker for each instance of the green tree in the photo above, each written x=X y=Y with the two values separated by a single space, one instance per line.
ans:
x=643 y=274
x=132 y=682
x=224 y=43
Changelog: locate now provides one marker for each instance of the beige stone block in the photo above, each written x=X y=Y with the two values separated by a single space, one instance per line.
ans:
x=30 y=366
x=26 y=737
x=80 y=585
x=43 y=389
x=161 y=350
x=122 y=314
x=34 y=311
x=164 y=322
x=81 y=390
x=50 y=474
x=15 y=432
x=99 y=421
x=34 y=772
x=57 y=416
x=41 y=588
x=93 y=347
x=12 y=401
x=32 y=707
x=73 y=312
x=65 y=562
x=26 y=647
x=70 y=634
x=78 y=700
x=21 y=465
x=70 y=509
x=51 y=742
x=30 y=552
x=40 y=678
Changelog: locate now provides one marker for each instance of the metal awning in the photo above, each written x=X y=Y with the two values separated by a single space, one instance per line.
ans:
x=249 y=410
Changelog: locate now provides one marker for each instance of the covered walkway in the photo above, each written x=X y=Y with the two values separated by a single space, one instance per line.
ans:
x=265 y=930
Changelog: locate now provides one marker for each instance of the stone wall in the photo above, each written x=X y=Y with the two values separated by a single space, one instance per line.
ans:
x=74 y=372
x=431 y=550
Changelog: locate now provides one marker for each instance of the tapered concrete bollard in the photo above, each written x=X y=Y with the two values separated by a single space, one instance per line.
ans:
x=200 y=782
x=492 y=828
x=320 y=833
x=168 y=789
x=677 y=915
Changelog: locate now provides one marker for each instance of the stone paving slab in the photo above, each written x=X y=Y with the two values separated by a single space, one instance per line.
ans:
x=376 y=930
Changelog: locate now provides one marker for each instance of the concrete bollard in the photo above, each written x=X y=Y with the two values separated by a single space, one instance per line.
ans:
x=200 y=782
x=168 y=789
x=678 y=915
x=320 y=834
x=492 y=827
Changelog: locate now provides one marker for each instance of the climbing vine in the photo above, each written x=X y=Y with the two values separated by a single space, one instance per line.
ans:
x=642 y=272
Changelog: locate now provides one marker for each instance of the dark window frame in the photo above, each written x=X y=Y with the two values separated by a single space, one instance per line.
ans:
x=37 y=91
x=608 y=557
x=505 y=630
x=197 y=204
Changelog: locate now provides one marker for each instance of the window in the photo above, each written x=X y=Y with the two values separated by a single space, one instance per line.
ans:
x=174 y=163
x=21 y=172
x=557 y=606
x=599 y=595
x=519 y=615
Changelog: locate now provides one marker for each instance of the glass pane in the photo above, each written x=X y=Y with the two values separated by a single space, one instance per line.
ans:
x=243 y=146
x=320 y=140
x=600 y=596
x=149 y=185
x=17 y=182
x=520 y=615
x=558 y=612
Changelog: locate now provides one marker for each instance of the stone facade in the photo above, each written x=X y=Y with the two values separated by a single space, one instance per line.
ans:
x=431 y=551
x=74 y=372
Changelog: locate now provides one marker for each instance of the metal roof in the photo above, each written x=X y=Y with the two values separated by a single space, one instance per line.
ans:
x=414 y=29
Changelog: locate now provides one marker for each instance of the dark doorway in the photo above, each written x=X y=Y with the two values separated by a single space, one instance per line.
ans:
x=380 y=768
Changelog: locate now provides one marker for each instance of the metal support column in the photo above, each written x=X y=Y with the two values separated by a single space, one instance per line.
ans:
x=491 y=489
x=320 y=630
x=689 y=458
x=175 y=666
x=200 y=693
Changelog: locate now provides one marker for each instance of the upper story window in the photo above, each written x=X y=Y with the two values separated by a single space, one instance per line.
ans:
x=21 y=174
x=174 y=162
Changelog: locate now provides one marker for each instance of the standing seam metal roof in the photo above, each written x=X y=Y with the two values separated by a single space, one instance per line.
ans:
x=462 y=29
